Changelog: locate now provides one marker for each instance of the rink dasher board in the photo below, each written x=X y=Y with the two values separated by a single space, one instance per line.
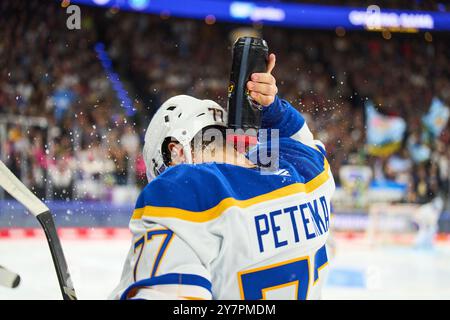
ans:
x=125 y=234
x=67 y=233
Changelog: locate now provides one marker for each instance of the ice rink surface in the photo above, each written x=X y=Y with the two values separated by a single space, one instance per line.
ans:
x=355 y=272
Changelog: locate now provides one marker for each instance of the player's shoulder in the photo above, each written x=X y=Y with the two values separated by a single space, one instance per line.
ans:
x=185 y=186
x=200 y=187
x=185 y=176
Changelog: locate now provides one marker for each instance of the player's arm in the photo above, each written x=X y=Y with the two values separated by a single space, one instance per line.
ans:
x=278 y=113
x=163 y=266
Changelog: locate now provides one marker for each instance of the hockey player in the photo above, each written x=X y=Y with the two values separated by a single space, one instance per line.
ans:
x=206 y=229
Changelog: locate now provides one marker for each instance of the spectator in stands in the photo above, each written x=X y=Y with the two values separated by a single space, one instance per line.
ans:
x=61 y=178
x=424 y=187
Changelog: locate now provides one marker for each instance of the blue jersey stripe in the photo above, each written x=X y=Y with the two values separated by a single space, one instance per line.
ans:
x=167 y=279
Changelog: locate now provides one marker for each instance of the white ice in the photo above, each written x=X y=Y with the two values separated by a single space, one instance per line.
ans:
x=356 y=271
x=95 y=267
x=389 y=272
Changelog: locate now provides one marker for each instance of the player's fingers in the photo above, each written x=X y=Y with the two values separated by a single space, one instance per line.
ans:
x=271 y=64
x=263 y=88
x=262 y=99
x=263 y=78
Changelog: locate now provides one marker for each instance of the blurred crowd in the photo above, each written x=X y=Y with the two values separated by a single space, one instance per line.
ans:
x=86 y=144
x=89 y=145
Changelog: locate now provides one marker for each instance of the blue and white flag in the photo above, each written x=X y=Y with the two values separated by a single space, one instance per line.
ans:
x=384 y=133
x=437 y=117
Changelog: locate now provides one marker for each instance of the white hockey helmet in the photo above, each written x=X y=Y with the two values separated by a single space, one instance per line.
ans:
x=181 y=118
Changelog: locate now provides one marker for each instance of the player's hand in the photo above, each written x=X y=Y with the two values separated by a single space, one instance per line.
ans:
x=262 y=86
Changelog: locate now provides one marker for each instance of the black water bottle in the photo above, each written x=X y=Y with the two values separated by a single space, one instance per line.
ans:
x=250 y=55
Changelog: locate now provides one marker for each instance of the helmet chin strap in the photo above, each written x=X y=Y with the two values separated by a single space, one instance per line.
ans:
x=185 y=140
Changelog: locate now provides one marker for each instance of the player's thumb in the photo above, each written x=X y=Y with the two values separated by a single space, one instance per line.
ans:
x=271 y=64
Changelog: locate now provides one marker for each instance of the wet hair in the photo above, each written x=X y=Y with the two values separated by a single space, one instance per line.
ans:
x=166 y=154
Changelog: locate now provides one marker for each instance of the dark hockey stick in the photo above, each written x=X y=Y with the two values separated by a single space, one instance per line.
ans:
x=21 y=193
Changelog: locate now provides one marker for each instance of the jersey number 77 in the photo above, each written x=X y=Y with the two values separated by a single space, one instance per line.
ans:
x=284 y=280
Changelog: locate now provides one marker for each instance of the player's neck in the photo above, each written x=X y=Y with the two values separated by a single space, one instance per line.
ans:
x=228 y=155
x=231 y=156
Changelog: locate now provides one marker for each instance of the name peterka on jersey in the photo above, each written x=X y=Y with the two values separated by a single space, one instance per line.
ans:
x=293 y=224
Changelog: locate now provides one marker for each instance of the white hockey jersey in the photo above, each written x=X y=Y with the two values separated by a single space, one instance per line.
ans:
x=219 y=231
